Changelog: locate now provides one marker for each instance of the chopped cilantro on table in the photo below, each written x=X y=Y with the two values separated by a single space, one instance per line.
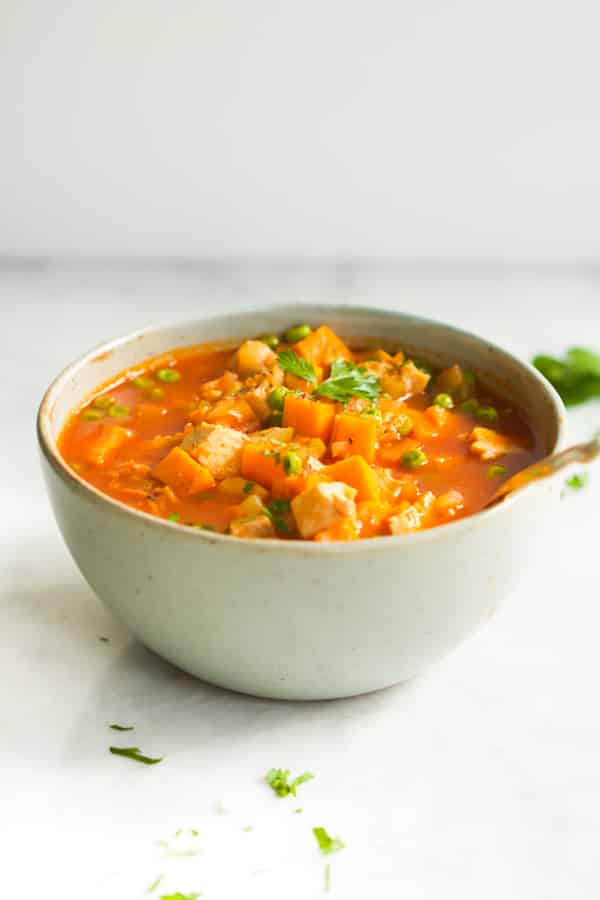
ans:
x=155 y=884
x=179 y=896
x=577 y=481
x=277 y=779
x=136 y=754
x=122 y=727
x=326 y=843
x=328 y=877
x=576 y=377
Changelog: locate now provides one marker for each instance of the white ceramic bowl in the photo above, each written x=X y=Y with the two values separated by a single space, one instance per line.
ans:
x=300 y=620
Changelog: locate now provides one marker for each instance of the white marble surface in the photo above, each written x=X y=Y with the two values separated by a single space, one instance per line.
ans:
x=480 y=779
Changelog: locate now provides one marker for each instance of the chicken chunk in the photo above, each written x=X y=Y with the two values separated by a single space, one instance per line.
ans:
x=252 y=357
x=257 y=527
x=489 y=445
x=408 y=380
x=411 y=515
x=322 y=506
x=217 y=447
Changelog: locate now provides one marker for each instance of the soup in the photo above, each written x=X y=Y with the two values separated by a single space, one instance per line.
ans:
x=298 y=437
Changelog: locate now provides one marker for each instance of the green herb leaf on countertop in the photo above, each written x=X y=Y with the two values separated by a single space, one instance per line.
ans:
x=328 y=877
x=122 y=727
x=348 y=380
x=136 y=754
x=155 y=884
x=180 y=896
x=576 y=377
x=277 y=779
x=577 y=481
x=296 y=365
x=326 y=843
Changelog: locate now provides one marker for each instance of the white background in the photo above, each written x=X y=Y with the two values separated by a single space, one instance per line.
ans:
x=407 y=129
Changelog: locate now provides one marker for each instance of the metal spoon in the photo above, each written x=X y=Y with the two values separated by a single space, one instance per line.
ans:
x=583 y=453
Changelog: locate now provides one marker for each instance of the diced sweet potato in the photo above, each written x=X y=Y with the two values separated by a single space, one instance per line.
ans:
x=322 y=346
x=489 y=445
x=235 y=412
x=358 y=474
x=217 y=447
x=322 y=505
x=183 y=474
x=262 y=463
x=109 y=439
x=347 y=529
x=309 y=417
x=359 y=432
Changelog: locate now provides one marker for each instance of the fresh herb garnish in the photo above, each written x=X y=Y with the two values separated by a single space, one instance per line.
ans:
x=103 y=639
x=276 y=510
x=174 y=517
x=122 y=727
x=136 y=754
x=576 y=377
x=347 y=380
x=577 y=481
x=277 y=779
x=248 y=487
x=326 y=843
x=293 y=364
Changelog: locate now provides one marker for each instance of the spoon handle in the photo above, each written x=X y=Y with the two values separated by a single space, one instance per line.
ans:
x=583 y=453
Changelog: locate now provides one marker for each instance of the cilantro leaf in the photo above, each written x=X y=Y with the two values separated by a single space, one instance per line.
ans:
x=326 y=843
x=136 y=754
x=577 y=481
x=277 y=779
x=155 y=884
x=347 y=380
x=293 y=364
x=180 y=896
x=576 y=377
x=276 y=510
x=122 y=727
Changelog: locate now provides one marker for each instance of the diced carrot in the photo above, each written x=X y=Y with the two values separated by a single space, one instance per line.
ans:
x=183 y=474
x=358 y=474
x=438 y=415
x=370 y=515
x=236 y=413
x=359 y=431
x=346 y=529
x=109 y=439
x=149 y=415
x=287 y=486
x=261 y=463
x=322 y=346
x=309 y=417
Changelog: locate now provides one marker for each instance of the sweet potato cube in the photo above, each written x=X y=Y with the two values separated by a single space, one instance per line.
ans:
x=358 y=474
x=322 y=346
x=110 y=438
x=311 y=418
x=262 y=463
x=183 y=474
x=358 y=432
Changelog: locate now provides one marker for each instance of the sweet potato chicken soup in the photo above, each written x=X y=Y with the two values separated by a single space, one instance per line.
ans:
x=297 y=436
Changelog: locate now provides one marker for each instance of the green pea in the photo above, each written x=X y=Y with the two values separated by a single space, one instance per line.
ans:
x=276 y=398
x=470 y=407
x=271 y=340
x=444 y=400
x=103 y=402
x=174 y=517
x=297 y=333
x=142 y=383
x=117 y=410
x=157 y=393
x=497 y=472
x=92 y=415
x=292 y=463
x=275 y=419
x=170 y=376
x=487 y=414
x=414 y=458
x=403 y=425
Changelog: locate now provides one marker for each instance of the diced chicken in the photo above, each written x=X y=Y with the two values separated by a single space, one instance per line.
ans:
x=217 y=447
x=258 y=527
x=406 y=381
x=275 y=434
x=322 y=506
x=110 y=438
x=226 y=385
x=450 y=503
x=259 y=389
x=411 y=515
x=252 y=357
x=489 y=445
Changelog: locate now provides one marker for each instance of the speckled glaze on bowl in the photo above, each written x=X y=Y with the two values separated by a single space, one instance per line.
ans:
x=300 y=620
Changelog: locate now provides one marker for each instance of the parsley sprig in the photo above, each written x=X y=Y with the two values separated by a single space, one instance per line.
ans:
x=345 y=380
x=278 y=780
x=576 y=377
x=136 y=754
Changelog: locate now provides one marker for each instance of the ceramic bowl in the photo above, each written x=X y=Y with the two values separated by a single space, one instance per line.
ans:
x=301 y=620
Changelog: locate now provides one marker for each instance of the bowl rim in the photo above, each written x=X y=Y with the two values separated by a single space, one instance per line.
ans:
x=49 y=449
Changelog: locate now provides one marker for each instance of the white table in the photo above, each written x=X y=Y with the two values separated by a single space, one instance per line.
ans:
x=481 y=779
